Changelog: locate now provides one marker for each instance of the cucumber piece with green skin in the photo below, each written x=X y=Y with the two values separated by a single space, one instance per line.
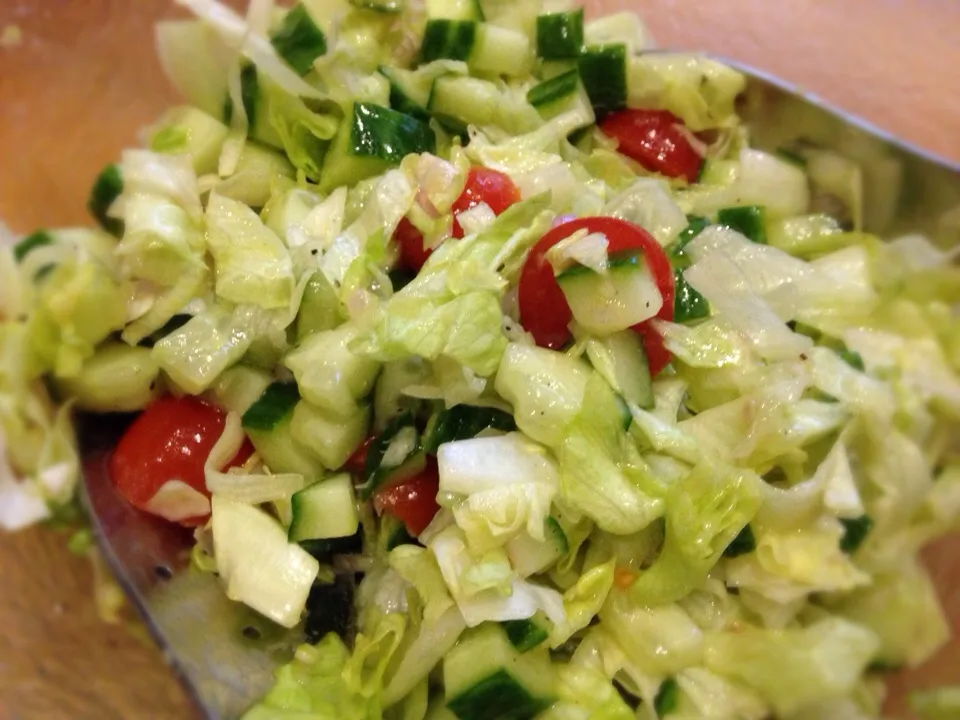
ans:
x=299 y=40
x=326 y=509
x=668 y=695
x=106 y=189
x=462 y=422
x=448 y=39
x=118 y=378
x=696 y=225
x=562 y=94
x=31 y=242
x=282 y=452
x=500 y=51
x=408 y=93
x=393 y=533
x=560 y=35
x=189 y=131
x=527 y=634
x=319 y=308
x=616 y=300
x=603 y=69
x=389 y=401
x=486 y=678
x=393 y=456
x=748 y=220
x=331 y=438
x=688 y=303
x=529 y=556
x=457 y=101
x=239 y=387
x=622 y=361
x=370 y=139
x=454 y=10
x=855 y=531
x=324 y=549
x=275 y=405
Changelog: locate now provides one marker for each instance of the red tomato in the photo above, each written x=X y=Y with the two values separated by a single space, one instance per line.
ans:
x=494 y=188
x=170 y=440
x=544 y=311
x=413 y=501
x=356 y=464
x=653 y=139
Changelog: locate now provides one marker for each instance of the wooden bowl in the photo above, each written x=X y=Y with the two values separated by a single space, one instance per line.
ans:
x=83 y=79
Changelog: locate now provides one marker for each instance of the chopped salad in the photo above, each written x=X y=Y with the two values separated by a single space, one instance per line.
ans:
x=476 y=340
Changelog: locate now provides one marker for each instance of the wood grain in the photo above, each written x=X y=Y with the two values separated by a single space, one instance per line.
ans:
x=84 y=80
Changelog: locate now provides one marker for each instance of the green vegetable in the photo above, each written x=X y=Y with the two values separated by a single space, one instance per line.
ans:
x=688 y=303
x=40 y=238
x=273 y=406
x=560 y=35
x=299 y=40
x=106 y=189
x=667 y=696
x=747 y=220
x=603 y=69
x=855 y=531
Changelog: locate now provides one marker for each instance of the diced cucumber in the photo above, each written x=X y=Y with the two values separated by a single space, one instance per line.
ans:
x=186 y=130
x=326 y=509
x=408 y=93
x=329 y=374
x=560 y=35
x=34 y=240
x=240 y=387
x=331 y=438
x=743 y=543
x=320 y=307
x=562 y=94
x=299 y=39
x=275 y=405
x=696 y=225
x=544 y=387
x=389 y=402
x=259 y=566
x=688 y=303
x=486 y=678
x=748 y=220
x=370 y=139
x=260 y=170
x=603 y=69
x=855 y=531
x=668 y=695
x=529 y=556
x=616 y=300
x=460 y=101
x=500 y=51
x=106 y=189
x=324 y=549
x=449 y=39
x=527 y=634
x=282 y=453
x=461 y=422
x=622 y=361
x=393 y=456
x=454 y=10
x=118 y=378
x=393 y=533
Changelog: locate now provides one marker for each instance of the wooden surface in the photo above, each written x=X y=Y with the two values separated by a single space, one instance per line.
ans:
x=83 y=80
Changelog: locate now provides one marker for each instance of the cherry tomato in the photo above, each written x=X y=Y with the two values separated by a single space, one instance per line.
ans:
x=544 y=311
x=356 y=464
x=170 y=440
x=654 y=139
x=413 y=501
x=489 y=186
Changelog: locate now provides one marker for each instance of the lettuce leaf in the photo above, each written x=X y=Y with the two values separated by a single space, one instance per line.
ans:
x=252 y=265
x=704 y=512
x=793 y=668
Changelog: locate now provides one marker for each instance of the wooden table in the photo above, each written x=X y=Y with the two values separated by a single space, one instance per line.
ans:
x=83 y=80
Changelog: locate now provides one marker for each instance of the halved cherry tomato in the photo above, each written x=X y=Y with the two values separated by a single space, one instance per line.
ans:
x=413 y=501
x=489 y=186
x=654 y=139
x=544 y=311
x=356 y=464
x=170 y=440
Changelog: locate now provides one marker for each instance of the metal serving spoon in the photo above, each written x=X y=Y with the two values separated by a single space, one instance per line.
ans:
x=224 y=653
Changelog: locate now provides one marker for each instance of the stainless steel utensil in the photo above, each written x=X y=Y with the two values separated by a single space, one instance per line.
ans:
x=226 y=654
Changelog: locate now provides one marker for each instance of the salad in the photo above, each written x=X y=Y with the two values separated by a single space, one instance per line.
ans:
x=476 y=340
